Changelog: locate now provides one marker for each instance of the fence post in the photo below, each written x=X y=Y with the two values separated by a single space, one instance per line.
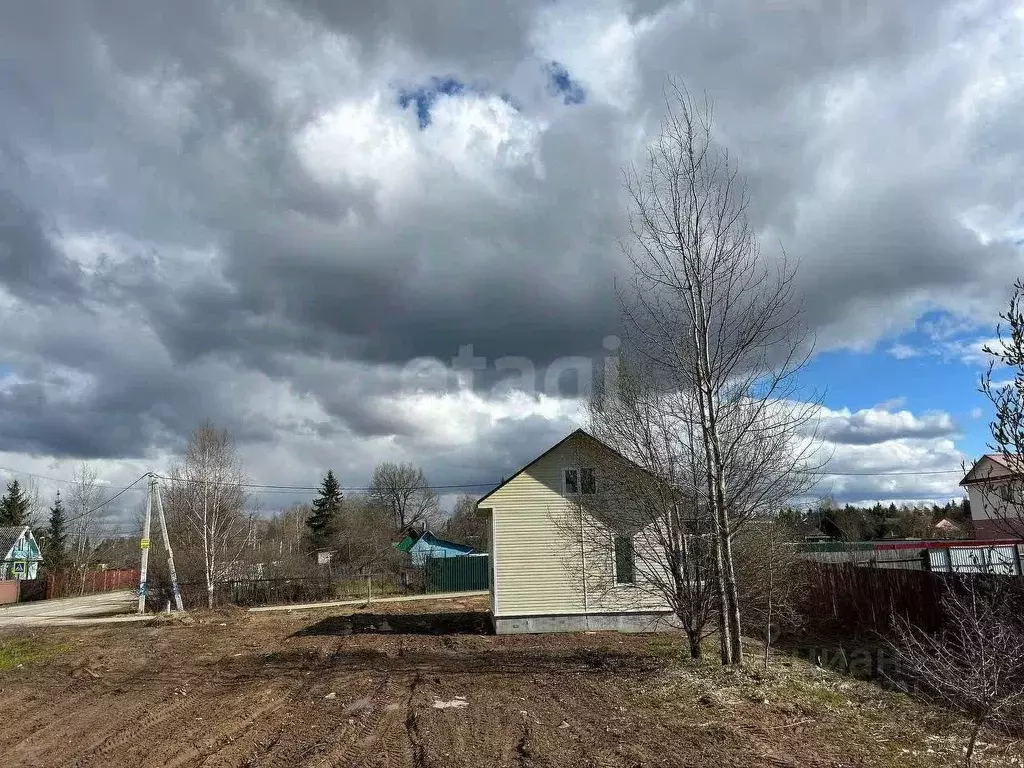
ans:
x=369 y=589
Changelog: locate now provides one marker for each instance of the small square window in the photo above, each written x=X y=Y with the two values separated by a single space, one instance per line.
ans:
x=624 y=560
x=588 y=480
x=571 y=478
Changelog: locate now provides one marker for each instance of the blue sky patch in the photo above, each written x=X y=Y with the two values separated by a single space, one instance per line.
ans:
x=934 y=367
x=423 y=97
x=560 y=82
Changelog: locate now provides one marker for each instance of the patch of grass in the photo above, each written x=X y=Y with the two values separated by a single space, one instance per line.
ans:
x=664 y=647
x=815 y=695
x=25 y=650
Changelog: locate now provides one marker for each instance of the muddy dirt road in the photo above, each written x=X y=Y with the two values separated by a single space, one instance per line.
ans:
x=377 y=689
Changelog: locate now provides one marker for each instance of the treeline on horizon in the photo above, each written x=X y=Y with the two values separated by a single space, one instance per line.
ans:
x=881 y=521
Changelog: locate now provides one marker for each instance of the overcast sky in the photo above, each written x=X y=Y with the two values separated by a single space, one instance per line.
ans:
x=275 y=215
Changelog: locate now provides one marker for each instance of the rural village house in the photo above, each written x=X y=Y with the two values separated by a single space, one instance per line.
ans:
x=21 y=556
x=996 y=494
x=553 y=566
x=20 y=560
x=425 y=545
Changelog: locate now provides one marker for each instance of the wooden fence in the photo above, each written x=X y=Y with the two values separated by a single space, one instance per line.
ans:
x=858 y=601
x=72 y=582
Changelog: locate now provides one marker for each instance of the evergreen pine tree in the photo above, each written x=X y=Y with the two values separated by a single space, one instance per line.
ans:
x=56 y=536
x=14 y=505
x=323 y=522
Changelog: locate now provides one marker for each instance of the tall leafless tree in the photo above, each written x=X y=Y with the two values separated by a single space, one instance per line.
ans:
x=82 y=499
x=402 y=492
x=1003 y=486
x=84 y=520
x=641 y=496
x=975 y=663
x=465 y=525
x=718 y=328
x=206 y=503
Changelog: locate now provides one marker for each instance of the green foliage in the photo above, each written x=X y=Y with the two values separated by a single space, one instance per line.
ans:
x=854 y=523
x=55 y=544
x=14 y=505
x=323 y=522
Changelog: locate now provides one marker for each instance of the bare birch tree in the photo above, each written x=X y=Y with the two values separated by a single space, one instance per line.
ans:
x=82 y=499
x=637 y=507
x=206 y=501
x=402 y=491
x=84 y=495
x=719 y=329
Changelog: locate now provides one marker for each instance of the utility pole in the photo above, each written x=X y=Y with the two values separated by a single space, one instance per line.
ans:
x=144 y=546
x=167 y=545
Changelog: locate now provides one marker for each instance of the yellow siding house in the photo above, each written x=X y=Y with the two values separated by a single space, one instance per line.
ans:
x=554 y=568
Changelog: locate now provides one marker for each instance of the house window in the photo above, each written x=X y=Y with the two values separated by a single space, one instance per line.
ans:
x=588 y=480
x=623 y=561
x=579 y=480
x=572 y=481
x=1006 y=493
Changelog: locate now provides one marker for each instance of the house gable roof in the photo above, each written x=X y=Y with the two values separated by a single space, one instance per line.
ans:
x=430 y=539
x=999 y=465
x=556 y=446
x=9 y=536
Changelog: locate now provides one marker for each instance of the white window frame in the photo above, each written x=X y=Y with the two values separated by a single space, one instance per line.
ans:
x=579 y=481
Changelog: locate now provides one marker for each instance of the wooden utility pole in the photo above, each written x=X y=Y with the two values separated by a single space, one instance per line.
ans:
x=154 y=493
x=167 y=544
x=144 y=546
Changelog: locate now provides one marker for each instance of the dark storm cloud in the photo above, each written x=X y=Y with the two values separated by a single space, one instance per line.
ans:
x=235 y=275
x=482 y=36
x=30 y=267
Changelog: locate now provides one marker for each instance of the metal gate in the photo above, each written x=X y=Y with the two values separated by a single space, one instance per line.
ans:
x=463 y=573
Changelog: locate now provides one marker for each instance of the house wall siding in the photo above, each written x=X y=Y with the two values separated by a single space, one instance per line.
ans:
x=539 y=560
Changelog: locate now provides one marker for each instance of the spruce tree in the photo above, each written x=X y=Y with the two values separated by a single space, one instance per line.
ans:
x=56 y=536
x=323 y=521
x=14 y=505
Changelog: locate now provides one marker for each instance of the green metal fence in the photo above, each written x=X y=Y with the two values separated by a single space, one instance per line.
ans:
x=465 y=573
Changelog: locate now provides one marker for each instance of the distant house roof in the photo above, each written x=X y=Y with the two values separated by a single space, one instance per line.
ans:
x=431 y=539
x=9 y=536
x=1005 y=461
x=406 y=544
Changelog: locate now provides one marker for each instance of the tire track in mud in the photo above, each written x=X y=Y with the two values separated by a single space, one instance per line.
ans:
x=207 y=748
x=412 y=728
x=285 y=741
x=131 y=726
x=370 y=736
x=42 y=709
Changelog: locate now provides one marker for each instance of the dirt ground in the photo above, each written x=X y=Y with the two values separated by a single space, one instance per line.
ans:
x=419 y=685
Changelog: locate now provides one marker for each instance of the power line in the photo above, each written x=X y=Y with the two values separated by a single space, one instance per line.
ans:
x=275 y=487
x=272 y=489
x=33 y=474
x=896 y=473
x=107 y=501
